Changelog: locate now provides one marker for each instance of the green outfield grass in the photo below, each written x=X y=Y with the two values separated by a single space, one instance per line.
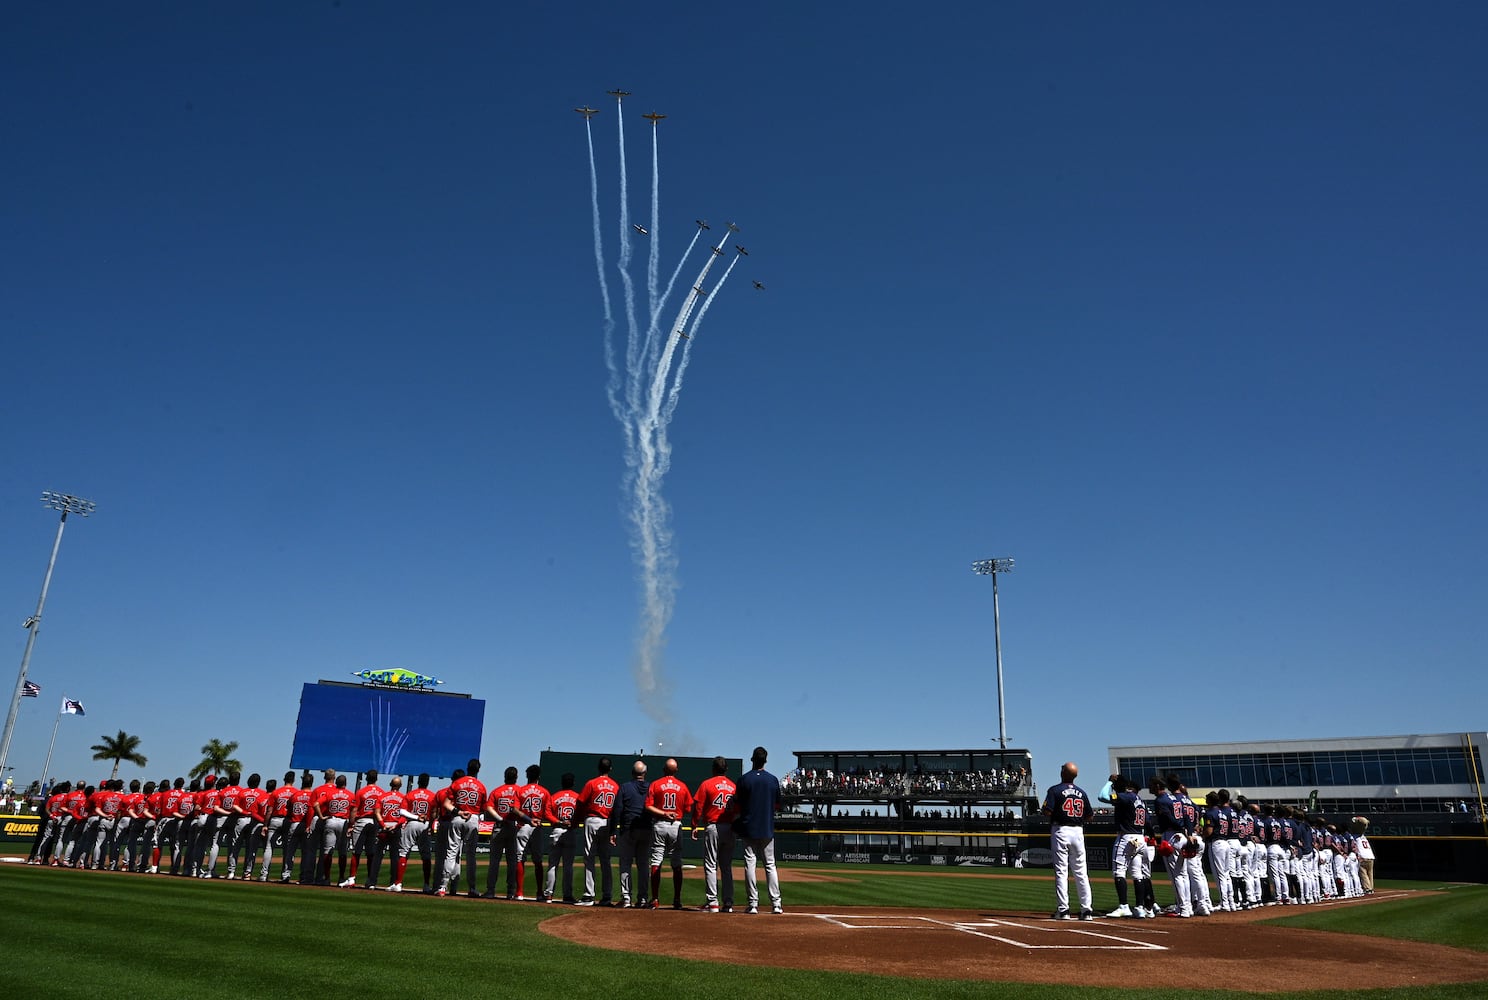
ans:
x=169 y=938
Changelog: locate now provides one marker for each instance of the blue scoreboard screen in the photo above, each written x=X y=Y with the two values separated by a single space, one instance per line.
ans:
x=354 y=727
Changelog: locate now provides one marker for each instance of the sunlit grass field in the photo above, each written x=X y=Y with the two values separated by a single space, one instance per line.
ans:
x=90 y=934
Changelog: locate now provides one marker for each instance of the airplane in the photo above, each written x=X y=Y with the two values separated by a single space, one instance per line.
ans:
x=741 y=250
x=683 y=335
x=653 y=117
x=639 y=229
x=760 y=285
x=718 y=251
x=618 y=95
x=587 y=112
x=702 y=223
x=700 y=290
x=397 y=677
x=733 y=228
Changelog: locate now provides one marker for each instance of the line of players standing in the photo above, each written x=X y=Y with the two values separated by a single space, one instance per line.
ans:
x=1260 y=854
x=193 y=826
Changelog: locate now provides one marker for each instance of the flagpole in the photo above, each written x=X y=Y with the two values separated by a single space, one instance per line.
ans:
x=48 y=765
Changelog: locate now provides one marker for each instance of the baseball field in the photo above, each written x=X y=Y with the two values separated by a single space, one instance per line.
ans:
x=847 y=934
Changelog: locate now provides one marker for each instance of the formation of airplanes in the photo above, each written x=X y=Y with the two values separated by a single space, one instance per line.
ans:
x=702 y=224
x=397 y=677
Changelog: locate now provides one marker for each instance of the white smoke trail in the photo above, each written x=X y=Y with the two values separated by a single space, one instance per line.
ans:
x=675 y=394
x=644 y=406
x=612 y=385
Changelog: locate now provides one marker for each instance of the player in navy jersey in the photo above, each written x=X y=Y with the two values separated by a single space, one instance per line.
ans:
x=1129 y=853
x=1067 y=808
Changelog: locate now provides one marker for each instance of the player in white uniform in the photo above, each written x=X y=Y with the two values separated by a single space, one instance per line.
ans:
x=1068 y=807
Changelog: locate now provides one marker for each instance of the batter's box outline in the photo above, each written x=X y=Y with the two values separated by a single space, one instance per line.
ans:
x=1102 y=940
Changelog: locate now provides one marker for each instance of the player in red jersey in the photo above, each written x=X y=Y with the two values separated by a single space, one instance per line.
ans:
x=204 y=823
x=501 y=806
x=74 y=811
x=185 y=815
x=128 y=825
x=712 y=814
x=240 y=829
x=418 y=812
x=335 y=812
x=563 y=808
x=168 y=825
x=596 y=799
x=227 y=811
x=532 y=805
x=275 y=826
x=49 y=828
x=299 y=824
x=150 y=841
x=315 y=835
x=387 y=831
x=364 y=826
x=461 y=820
x=668 y=802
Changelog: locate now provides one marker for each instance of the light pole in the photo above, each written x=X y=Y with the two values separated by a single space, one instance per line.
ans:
x=991 y=567
x=67 y=505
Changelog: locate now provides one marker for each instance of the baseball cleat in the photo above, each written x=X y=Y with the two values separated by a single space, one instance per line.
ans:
x=346 y=883
x=1059 y=915
x=1121 y=911
x=751 y=908
x=709 y=908
x=777 y=908
x=1087 y=915
x=585 y=902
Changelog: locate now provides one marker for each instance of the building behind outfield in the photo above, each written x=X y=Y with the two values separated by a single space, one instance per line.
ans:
x=1423 y=795
x=1358 y=775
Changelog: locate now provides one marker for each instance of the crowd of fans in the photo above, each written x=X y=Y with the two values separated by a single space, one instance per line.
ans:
x=895 y=784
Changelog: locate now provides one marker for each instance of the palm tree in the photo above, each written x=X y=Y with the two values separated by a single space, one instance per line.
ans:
x=119 y=748
x=217 y=758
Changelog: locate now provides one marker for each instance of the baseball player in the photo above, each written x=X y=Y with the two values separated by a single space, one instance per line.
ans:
x=76 y=809
x=562 y=809
x=418 y=813
x=630 y=831
x=462 y=809
x=51 y=827
x=1129 y=852
x=334 y=811
x=713 y=814
x=1067 y=807
x=667 y=800
x=366 y=828
x=300 y=827
x=275 y=823
x=128 y=826
x=756 y=801
x=235 y=819
x=1218 y=826
x=501 y=809
x=167 y=825
x=389 y=832
x=532 y=804
x=596 y=799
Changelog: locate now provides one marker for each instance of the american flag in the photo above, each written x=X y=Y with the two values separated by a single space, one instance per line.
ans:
x=30 y=690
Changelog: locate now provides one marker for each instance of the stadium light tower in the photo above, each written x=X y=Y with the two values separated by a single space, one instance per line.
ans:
x=67 y=505
x=991 y=567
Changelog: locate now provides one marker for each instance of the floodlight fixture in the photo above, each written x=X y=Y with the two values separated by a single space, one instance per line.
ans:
x=67 y=503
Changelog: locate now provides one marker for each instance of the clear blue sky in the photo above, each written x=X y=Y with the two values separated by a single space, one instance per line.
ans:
x=1182 y=309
